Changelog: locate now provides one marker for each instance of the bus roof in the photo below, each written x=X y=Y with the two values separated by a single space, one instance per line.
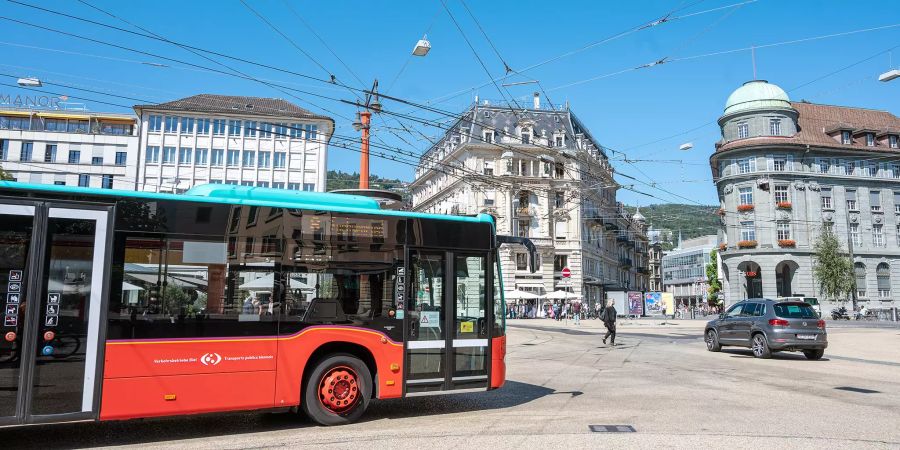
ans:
x=252 y=196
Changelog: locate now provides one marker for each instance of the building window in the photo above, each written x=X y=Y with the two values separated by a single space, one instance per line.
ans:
x=27 y=148
x=200 y=156
x=875 y=200
x=560 y=262
x=250 y=128
x=779 y=163
x=203 y=126
x=775 y=127
x=746 y=165
x=293 y=186
x=845 y=138
x=168 y=155
x=97 y=161
x=151 y=157
x=246 y=183
x=84 y=180
x=312 y=131
x=781 y=194
x=278 y=185
x=187 y=125
x=851 y=200
x=872 y=170
x=265 y=159
x=854 y=235
x=488 y=136
x=218 y=157
x=521 y=261
x=897 y=202
x=898 y=234
x=783 y=230
x=184 y=156
x=50 y=153
x=249 y=158
x=895 y=170
x=234 y=127
x=860 y=270
x=296 y=130
x=262 y=184
x=893 y=141
x=748 y=231
x=171 y=124
x=826 y=199
x=526 y=137
x=309 y=187
x=559 y=199
x=560 y=141
x=488 y=168
x=265 y=130
x=4 y=147
x=824 y=165
x=870 y=139
x=745 y=196
x=154 y=123
x=883 y=274
x=218 y=127
x=121 y=158
x=523 y=228
x=743 y=130
x=107 y=182
x=280 y=160
x=234 y=158
x=849 y=167
x=74 y=156
x=878 y=235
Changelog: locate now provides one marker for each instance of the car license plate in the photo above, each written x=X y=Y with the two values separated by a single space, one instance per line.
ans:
x=806 y=337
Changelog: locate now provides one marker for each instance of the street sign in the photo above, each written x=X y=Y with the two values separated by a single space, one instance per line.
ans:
x=566 y=273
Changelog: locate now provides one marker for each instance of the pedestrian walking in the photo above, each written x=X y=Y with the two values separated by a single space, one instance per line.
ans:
x=576 y=312
x=608 y=315
x=556 y=311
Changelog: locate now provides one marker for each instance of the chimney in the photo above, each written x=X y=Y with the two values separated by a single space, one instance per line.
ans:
x=537 y=100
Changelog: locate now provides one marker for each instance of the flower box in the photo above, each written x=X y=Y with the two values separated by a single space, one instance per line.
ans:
x=722 y=247
x=790 y=243
x=745 y=208
x=721 y=212
x=783 y=205
x=746 y=244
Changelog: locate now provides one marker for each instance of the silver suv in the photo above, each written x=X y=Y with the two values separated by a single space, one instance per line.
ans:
x=767 y=326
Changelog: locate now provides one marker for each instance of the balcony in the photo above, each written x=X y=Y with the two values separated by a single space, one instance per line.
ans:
x=643 y=270
x=622 y=240
x=525 y=211
x=625 y=263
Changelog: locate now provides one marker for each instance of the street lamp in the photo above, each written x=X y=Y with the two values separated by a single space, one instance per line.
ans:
x=31 y=82
x=686 y=146
x=890 y=74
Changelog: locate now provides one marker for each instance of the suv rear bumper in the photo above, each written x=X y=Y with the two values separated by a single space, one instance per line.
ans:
x=782 y=342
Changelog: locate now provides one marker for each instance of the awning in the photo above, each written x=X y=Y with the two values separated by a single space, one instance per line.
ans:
x=523 y=295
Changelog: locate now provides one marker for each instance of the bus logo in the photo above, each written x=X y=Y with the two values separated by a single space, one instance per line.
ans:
x=210 y=359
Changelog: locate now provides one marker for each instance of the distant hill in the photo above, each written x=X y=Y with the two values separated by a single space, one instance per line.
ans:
x=337 y=179
x=691 y=220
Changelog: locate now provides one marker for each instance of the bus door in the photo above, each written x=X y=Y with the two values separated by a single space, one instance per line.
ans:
x=447 y=325
x=52 y=271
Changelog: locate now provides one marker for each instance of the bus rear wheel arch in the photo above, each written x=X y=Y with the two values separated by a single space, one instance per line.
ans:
x=338 y=390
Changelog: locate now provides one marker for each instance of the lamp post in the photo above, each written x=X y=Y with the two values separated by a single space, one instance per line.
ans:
x=362 y=123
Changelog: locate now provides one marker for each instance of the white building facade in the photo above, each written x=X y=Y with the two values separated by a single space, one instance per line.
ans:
x=684 y=270
x=248 y=141
x=71 y=148
x=543 y=176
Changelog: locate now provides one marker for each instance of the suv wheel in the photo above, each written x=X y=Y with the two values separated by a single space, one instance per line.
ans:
x=814 y=355
x=760 y=346
x=712 y=341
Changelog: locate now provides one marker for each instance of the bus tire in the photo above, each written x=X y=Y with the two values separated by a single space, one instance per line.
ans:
x=338 y=390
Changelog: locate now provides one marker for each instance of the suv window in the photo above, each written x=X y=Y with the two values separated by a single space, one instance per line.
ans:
x=735 y=310
x=751 y=310
x=795 y=311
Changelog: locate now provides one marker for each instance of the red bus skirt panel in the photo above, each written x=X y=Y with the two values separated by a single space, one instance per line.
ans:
x=498 y=364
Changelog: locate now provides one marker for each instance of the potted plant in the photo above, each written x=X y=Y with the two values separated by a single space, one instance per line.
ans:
x=746 y=244
x=783 y=205
x=745 y=208
x=722 y=247
x=788 y=243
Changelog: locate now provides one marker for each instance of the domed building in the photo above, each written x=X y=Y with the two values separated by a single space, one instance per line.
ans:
x=786 y=170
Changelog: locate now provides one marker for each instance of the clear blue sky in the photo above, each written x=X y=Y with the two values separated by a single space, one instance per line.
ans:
x=630 y=112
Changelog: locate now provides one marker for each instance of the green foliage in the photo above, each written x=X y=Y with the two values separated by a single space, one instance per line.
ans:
x=4 y=175
x=337 y=179
x=833 y=268
x=712 y=277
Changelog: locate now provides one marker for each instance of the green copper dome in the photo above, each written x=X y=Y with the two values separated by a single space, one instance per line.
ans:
x=757 y=94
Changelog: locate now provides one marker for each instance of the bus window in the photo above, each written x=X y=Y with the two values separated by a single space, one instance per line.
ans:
x=499 y=304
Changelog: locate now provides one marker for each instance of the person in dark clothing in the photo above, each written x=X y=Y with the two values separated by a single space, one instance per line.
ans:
x=608 y=316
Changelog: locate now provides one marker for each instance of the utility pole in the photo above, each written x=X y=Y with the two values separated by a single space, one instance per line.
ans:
x=363 y=123
x=852 y=263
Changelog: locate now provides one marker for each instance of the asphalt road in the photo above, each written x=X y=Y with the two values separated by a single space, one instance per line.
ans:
x=661 y=381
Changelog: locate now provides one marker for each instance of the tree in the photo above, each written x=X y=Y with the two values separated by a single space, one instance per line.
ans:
x=832 y=267
x=4 y=175
x=712 y=278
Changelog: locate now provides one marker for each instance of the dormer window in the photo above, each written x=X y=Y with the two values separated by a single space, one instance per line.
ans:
x=488 y=136
x=892 y=139
x=526 y=137
x=870 y=139
x=743 y=131
x=845 y=138
x=775 y=127
x=560 y=141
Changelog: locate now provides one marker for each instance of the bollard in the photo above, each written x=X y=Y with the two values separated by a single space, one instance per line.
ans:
x=894 y=314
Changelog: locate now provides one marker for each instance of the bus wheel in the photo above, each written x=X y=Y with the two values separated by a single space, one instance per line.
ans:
x=338 y=390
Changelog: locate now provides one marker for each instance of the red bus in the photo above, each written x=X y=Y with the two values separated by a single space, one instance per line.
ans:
x=122 y=305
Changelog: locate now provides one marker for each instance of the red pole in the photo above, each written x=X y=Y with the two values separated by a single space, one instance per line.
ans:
x=364 y=117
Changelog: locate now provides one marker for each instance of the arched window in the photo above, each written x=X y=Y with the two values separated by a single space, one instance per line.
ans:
x=860 y=270
x=883 y=272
